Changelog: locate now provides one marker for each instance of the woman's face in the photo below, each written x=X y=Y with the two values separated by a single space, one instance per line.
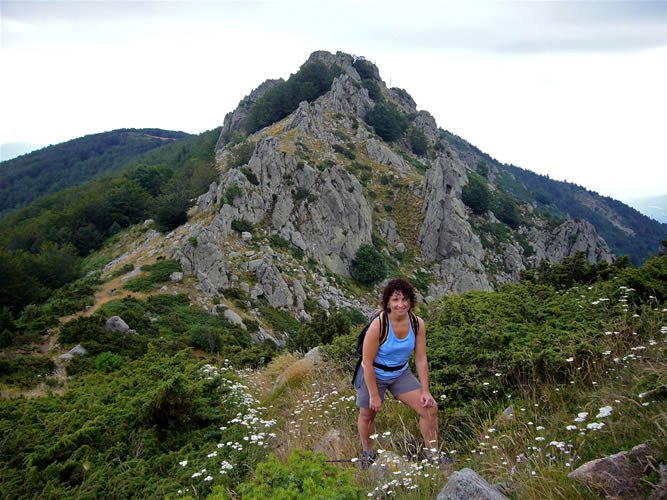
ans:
x=399 y=303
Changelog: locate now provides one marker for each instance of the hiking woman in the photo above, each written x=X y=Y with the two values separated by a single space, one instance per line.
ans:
x=385 y=366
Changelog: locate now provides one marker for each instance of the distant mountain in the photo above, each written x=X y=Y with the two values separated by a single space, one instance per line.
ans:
x=74 y=162
x=626 y=230
x=654 y=207
x=11 y=150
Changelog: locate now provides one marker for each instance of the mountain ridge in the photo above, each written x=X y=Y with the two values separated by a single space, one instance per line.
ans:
x=71 y=163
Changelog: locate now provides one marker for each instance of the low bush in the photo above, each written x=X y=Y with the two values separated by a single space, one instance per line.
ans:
x=389 y=123
x=108 y=362
x=25 y=371
x=242 y=226
x=232 y=191
x=476 y=194
x=368 y=266
x=305 y=475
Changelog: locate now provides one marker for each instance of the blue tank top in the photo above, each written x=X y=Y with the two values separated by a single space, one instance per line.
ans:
x=394 y=352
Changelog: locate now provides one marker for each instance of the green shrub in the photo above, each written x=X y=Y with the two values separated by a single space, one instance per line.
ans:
x=311 y=81
x=205 y=337
x=252 y=178
x=483 y=169
x=373 y=88
x=366 y=69
x=241 y=154
x=278 y=241
x=418 y=141
x=339 y=134
x=305 y=475
x=280 y=321
x=348 y=153
x=301 y=193
x=26 y=371
x=389 y=123
x=419 y=166
x=368 y=266
x=241 y=226
x=321 y=330
x=232 y=191
x=157 y=273
x=476 y=195
x=108 y=362
x=506 y=209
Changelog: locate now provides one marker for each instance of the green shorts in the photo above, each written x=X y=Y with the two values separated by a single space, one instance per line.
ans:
x=405 y=382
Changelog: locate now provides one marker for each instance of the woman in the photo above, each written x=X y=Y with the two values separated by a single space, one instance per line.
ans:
x=398 y=299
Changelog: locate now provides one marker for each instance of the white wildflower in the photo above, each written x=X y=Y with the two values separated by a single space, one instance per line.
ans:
x=605 y=411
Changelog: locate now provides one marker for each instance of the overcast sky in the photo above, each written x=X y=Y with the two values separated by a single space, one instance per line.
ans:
x=575 y=90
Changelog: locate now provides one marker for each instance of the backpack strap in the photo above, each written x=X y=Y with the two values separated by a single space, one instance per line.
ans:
x=414 y=321
x=384 y=327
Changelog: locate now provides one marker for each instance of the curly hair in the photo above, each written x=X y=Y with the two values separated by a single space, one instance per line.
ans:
x=398 y=285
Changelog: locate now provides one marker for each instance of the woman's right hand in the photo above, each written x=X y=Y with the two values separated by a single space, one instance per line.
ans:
x=375 y=403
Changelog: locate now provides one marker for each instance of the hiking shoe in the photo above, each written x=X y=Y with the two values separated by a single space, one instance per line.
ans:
x=367 y=459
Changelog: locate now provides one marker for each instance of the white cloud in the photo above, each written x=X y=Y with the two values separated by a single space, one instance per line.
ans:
x=574 y=90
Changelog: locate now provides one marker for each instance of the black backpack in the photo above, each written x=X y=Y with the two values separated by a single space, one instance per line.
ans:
x=384 y=333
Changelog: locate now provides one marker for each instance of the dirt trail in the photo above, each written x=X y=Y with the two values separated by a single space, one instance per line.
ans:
x=111 y=290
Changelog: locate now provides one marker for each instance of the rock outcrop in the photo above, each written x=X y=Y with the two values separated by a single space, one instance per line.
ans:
x=446 y=238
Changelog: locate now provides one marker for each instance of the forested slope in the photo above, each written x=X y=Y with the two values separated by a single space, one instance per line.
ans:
x=74 y=162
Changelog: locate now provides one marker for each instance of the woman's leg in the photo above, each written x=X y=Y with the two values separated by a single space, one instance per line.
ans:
x=428 y=417
x=366 y=427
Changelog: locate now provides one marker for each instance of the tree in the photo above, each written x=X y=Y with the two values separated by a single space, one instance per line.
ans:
x=476 y=195
x=418 y=141
x=388 y=122
x=368 y=266
x=506 y=210
x=482 y=168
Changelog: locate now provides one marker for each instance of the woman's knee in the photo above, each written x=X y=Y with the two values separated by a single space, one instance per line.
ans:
x=428 y=411
x=366 y=415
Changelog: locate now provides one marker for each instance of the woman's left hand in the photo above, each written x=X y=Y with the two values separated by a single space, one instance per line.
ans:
x=427 y=400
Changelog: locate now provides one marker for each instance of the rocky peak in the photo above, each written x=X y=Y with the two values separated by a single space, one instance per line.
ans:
x=345 y=61
x=234 y=119
x=321 y=183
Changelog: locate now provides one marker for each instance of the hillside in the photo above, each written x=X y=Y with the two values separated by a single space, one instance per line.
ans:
x=187 y=404
x=74 y=162
x=626 y=231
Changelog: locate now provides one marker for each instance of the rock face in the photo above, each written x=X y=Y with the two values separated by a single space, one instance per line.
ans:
x=567 y=239
x=466 y=484
x=446 y=238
